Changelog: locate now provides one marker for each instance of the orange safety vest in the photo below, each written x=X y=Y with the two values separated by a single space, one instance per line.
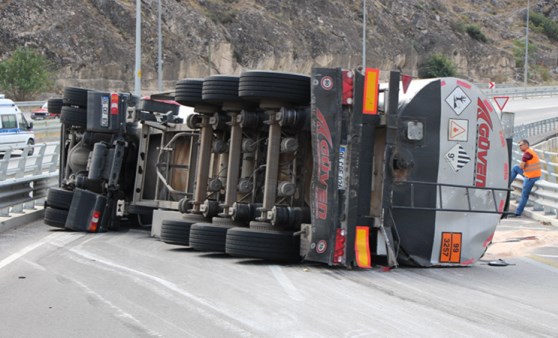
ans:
x=533 y=166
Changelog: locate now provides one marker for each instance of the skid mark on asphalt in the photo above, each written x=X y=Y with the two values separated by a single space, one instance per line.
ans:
x=286 y=283
x=129 y=320
x=58 y=239
x=92 y=259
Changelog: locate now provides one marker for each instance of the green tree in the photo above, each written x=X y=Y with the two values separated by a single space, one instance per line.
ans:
x=24 y=74
x=437 y=66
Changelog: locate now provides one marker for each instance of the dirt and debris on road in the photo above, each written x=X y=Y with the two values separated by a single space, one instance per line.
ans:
x=521 y=237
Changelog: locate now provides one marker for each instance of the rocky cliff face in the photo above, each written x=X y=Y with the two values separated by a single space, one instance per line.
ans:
x=91 y=42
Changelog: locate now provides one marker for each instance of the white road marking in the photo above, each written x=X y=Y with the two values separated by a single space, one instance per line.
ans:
x=549 y=256
x=168 y=285
x=286 y=284
x=15 y=256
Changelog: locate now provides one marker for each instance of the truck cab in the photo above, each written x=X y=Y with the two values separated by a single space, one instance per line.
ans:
x=15 y=131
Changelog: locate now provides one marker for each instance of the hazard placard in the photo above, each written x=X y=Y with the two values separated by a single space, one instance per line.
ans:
x=458 y=100
x=457 y=157
x=458 y=130
x=501 y=101
x=450 y=247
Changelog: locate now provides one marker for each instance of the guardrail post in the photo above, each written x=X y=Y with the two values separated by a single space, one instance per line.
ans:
x=5 y=163
x=21 y=165
x=549 y=168
x=549 y=210
x=40 y=159
x=53 y=165
x=5 y=212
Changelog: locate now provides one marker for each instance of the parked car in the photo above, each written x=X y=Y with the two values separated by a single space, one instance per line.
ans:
x=42 y=113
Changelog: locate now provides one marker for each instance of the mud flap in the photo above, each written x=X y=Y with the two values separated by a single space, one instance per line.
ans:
x=86 y=210
x=326 y=121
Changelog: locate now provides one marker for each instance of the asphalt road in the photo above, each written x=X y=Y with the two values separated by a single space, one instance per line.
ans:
x=126 y=284
x=533 y=109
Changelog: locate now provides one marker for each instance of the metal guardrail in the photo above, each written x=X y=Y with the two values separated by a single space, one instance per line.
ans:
x=521 y=92
x=25 y=178
x=29 y=103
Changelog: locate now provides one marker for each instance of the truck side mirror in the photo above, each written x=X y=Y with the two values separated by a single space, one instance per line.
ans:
x=29 y=125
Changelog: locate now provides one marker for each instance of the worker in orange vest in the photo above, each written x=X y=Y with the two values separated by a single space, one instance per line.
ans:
x=530 y=169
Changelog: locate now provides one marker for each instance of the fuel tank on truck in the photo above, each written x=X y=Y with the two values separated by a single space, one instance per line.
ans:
x=446 y=173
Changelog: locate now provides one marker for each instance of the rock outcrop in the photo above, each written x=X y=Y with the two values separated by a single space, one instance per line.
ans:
x=91 y=42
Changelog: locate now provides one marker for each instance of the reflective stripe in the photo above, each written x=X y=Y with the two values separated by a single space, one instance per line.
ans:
x=362 y=247
x=533 y=166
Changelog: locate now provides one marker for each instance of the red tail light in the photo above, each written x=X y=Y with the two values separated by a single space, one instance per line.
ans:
x=339 y=246
x=114 y=104
x=94 y=221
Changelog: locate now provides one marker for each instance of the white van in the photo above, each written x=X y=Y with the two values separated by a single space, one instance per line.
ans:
x=15 y=131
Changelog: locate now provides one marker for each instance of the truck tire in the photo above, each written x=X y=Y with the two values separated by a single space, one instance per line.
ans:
x=176 y=232
x=277 y=86
x=265 y=244
x=74 y=96
x=208 y=237
x=59 y=198
x=219 y=88
x=55 y=217
x=71 y=116
x=188 y=92
x=54 y=106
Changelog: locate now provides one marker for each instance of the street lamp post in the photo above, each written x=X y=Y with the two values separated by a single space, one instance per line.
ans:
x=137 y=70
x=363 y=33
x=159 y=51
x=526 y=50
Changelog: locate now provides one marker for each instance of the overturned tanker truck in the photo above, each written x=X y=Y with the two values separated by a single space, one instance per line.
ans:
x=331 y=168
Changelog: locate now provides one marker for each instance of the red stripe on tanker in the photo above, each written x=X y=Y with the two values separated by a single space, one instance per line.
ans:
x=484 y=127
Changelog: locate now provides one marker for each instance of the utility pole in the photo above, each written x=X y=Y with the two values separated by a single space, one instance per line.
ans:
x=364 y=34
x=137 y=70
x=526 y=50
x=159 y=51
